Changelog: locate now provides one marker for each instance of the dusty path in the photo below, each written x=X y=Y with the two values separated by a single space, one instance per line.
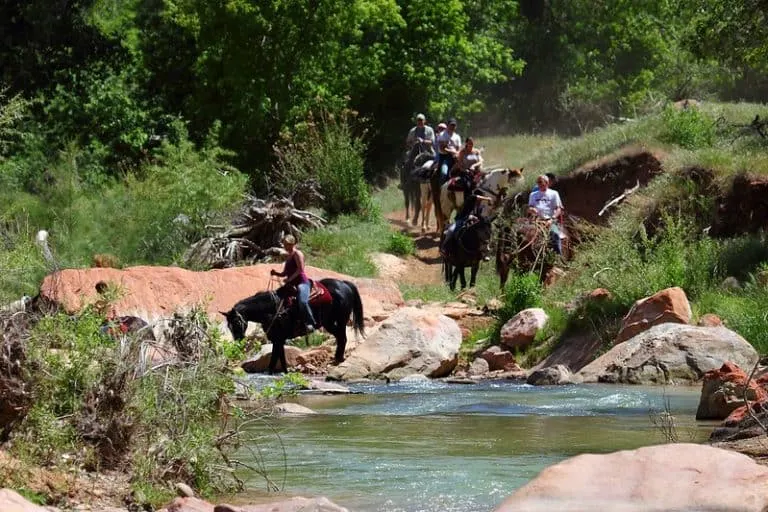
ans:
x=425 y=267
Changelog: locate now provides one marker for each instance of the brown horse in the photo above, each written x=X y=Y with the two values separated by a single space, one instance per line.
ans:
x=524 y=244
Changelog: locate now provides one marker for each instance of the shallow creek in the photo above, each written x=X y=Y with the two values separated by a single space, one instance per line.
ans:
x=432 y=446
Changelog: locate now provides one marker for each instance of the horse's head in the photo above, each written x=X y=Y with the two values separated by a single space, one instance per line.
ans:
x=260 y=308
x=236 y=324
x=497 y=181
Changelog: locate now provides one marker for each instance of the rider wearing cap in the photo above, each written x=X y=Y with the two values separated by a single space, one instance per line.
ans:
x=420 y=133
x=449 y=145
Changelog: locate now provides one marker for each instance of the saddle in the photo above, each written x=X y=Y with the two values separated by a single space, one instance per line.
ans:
x=318 y=295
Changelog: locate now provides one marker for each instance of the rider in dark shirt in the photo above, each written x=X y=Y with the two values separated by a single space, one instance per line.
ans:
x=469 y=211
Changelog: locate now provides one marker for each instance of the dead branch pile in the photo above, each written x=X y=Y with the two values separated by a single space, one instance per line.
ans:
x=255 y=234
x=15 y=397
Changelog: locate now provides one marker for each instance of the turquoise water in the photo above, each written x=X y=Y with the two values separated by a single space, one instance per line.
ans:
x=429 y=447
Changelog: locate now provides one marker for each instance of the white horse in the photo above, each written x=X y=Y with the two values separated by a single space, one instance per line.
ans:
x=425 y=195
x=494 y=183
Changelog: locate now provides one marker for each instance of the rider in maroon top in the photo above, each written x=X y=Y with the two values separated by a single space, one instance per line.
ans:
x=294 y=274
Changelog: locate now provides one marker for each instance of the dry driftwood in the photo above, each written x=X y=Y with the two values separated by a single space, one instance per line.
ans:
x=620 y=198
x=255 y=234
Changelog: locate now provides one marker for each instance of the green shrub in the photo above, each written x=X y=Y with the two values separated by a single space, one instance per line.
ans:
x=689 y=128
x=523 y=291
x=21 y=260
x=400 y=244
x=287 y=385
x=327 y=150
x=150 y=217
x=95 y=400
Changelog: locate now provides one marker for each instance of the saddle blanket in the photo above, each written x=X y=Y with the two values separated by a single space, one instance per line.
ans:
x=318 y=295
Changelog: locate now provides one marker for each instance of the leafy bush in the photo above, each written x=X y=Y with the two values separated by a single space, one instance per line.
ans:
x=21 y=260
x=96 y=400
x=287 y=385
x=150 y=217
x=523 y=291
x=689 y=128
x=400 y=244
x=326 y=149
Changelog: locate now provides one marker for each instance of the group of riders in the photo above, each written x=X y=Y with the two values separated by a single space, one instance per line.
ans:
x=464 y=164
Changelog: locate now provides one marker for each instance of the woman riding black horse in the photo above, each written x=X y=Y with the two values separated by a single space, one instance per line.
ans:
x=279 y=323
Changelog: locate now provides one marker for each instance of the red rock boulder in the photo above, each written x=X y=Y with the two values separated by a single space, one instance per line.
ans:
x=260 y=362
x=521 y=329
x=667 y=306
x=499 y=359
x=723 y=392
x=154 y=293
x=710 y=320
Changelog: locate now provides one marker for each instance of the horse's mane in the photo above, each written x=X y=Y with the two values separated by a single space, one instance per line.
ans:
x=255 y=301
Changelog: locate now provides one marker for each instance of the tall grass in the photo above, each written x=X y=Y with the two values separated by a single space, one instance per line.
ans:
x=150 y=217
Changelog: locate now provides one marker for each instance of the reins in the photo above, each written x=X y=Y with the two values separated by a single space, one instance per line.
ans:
x=271 y=287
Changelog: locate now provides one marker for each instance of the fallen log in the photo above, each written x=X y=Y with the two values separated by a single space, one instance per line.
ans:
x=618 y=199
x=255 y=234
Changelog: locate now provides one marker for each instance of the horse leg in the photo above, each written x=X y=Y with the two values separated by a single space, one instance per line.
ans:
x=503 y=268
x=426 y=205
x=473 y=274
x=455 y=273
x=281 y=354
x=406 y=194
x=415 y=190
x=460 y=271
x=341 y=342
x=273 y=358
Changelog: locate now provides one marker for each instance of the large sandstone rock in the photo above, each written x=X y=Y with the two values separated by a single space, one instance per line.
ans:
x=411 y=341
x=670 y=353
x=667 y=306
x=723 y=391
x=521 y=329
x=670 y=477
x=154 y=293
x=11 y=501
x=260 y=362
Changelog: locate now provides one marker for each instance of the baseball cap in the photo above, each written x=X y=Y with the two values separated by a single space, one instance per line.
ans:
x=442 y=125
x=452 y=121
x=420 y=117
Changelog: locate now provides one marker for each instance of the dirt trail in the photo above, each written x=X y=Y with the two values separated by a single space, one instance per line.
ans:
x=425 y=267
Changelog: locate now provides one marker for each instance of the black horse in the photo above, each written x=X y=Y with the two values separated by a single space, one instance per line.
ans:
x=466 y=248
x=410 y=180
x=265 y=308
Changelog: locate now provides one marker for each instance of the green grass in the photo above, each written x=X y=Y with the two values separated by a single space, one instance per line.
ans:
x=346 y=245
x=487 y=287
x=744 y=312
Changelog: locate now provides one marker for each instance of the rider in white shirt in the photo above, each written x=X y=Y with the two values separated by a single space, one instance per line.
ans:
x=449 y=145
x=545 y=204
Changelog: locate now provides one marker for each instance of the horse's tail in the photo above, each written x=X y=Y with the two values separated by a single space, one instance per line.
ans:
x=358 y=321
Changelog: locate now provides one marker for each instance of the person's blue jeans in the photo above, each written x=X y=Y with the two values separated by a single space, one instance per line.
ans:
x=554 y=238
x=304 y=310
x=445 y=164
